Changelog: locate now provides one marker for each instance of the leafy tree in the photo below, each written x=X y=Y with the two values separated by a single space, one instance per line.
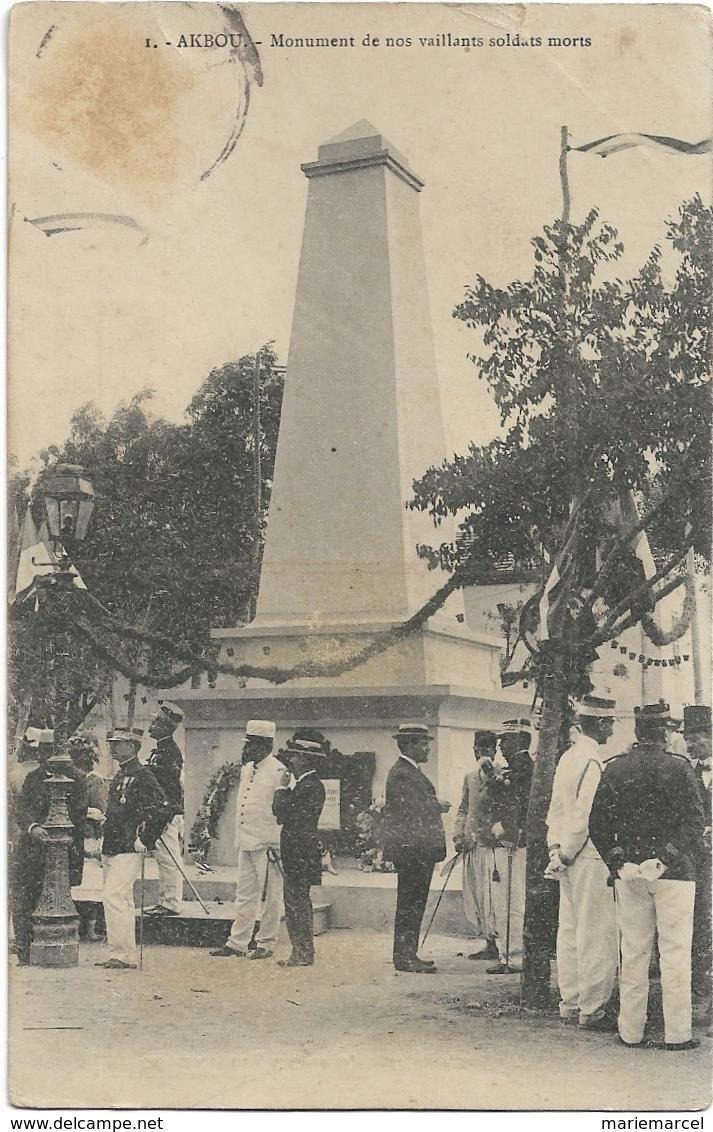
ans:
x=175 y=538
x=602 y=387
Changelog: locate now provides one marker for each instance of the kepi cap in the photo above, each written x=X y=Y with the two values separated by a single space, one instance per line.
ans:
x=658 y=711
x=171 y=711
x=126 y=735
x=260 y=729
x=516 y=727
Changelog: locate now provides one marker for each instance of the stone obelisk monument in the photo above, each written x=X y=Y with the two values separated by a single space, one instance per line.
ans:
x=361 y=419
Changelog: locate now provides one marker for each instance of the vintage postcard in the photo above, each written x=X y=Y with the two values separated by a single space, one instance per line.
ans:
x=359 y=531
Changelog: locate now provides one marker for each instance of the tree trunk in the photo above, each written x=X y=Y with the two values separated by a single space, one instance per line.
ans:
x=542 y=896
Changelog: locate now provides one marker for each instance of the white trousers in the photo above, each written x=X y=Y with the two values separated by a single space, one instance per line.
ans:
x=120 y=872
x=477 y=903
x=249 y=903
x=170 y=881
x=516 y=900
x=586 y=936
x=664 y=906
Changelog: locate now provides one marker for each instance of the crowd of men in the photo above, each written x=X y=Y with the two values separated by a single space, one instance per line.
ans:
x=628 y=839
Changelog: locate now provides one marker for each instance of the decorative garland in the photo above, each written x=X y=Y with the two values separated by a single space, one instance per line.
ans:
x=660 y=637
x=81 y=627
x=205 y=828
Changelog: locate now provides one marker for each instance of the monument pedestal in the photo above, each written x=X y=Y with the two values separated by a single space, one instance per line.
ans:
x=427 y=678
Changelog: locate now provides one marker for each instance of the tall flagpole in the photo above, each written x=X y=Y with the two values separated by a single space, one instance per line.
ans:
x=564 y=174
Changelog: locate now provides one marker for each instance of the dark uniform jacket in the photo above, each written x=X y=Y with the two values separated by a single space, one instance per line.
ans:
x=298 y=812
x=647 y=806
x=33 y=807
x=166 y=763
x=509 y=798
x=137 y=806
x=413 y=826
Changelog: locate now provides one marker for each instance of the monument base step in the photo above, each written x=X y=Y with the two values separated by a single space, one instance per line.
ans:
x=193 y=928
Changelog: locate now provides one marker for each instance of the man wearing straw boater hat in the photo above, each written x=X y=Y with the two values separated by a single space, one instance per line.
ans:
x=298 y=811
x=137 y=812
x=647 y=824
x=586 y=935
x=257 y=838
x=414 y=840
x=166 y=763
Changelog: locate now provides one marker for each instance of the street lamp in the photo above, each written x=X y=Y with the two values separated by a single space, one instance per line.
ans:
x=68 y=498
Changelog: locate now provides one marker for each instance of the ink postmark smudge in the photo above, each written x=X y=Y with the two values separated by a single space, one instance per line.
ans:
x=142 y=120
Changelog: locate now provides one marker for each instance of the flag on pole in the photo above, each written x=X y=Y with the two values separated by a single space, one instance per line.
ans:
x=36 y=559
x=615 y=143
x=554 y=600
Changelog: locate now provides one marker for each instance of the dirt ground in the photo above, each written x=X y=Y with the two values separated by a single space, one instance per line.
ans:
x=191 y=1030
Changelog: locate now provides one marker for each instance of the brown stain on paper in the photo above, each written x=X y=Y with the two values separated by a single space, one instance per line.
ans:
x=101 y=98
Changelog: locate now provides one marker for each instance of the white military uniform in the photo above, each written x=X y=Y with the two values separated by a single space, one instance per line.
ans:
x=586 y=936
x=256 y=831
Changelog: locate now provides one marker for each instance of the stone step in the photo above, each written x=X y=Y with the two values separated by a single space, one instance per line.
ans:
x=193 y=928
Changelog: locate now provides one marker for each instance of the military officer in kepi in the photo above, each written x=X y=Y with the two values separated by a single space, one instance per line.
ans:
x=697 y=733
x=647 y=825
x=166 y=764
x=509 y=791
x=298 y=811
x=258 y=889
x=137 y=813
x=586 y=937
x=414 y=840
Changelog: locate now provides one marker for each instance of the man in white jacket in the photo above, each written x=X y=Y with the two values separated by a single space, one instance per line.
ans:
x=257 y=836
x=586 y=937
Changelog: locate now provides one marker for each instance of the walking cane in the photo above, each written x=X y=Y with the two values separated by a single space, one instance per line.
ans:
x=141 y=913
x=256 y=926
x=184 y=876
x=440 y=897
x=510 y=852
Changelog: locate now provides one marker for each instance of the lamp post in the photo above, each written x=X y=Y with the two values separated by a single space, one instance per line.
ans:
x=68 y=498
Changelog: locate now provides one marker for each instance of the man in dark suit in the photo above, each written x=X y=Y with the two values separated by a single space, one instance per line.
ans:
x=414 y=841
x=298 y=811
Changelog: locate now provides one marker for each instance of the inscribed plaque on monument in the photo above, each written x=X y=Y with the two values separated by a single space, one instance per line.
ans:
x=358 y=419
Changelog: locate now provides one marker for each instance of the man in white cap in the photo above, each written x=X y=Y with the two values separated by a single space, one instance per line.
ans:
x=166 y=763
x=137 y=812
x=257 y=837
x=586 y=936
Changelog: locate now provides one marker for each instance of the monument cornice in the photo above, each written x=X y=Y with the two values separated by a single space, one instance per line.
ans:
x=345 y=165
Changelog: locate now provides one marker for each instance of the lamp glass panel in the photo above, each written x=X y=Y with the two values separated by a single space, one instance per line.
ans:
x=68 y=509
x=52 y=512
x=84 y=514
